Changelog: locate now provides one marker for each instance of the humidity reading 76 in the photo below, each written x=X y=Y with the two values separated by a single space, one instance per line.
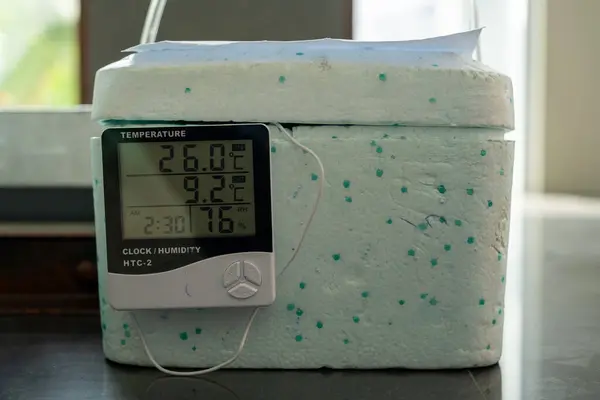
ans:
x=187 y=189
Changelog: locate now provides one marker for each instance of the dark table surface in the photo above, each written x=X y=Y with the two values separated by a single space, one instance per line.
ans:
x=61 y=358
x=551 y=345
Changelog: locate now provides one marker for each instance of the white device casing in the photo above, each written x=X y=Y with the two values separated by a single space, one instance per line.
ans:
x=206 y=283
x=203 y=284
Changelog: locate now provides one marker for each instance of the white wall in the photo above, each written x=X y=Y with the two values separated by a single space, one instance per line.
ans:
x=572 y=127
x=46 y=147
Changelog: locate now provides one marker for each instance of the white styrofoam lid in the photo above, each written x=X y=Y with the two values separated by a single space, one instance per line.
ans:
x=356 y=82
x=461 y=43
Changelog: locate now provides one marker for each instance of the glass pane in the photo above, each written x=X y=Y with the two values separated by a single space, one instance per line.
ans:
x=39 y=55
x=409 y=19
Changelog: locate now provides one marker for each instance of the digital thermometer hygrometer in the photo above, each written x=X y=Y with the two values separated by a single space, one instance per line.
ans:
x=188 y=216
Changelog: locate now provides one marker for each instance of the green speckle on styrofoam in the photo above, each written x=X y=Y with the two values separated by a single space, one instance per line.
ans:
x=443 y=220
x=389 y=221
x=127 y=334
x=379 y=150
x=447 y=247
x=434 y=65
x=299 y=338
x=282 y=79
x=499 y=311
x=103 y=326
x=401 y=302
x=334 y=137
x=457 y=222
x=346 y=341
x=411 y=252
x=299 y=53
x=356 y=319
x=183 y=336
x=502 y=171
x=434 y=262
x=346 y=183
x=470 y=240
x=365 y=294
x=302 y=285
x=188 y=90
x=373 y=143
x=423 y=296
x=385 y=136
x=348 y=199
x=273 y=149
x=382 y=77
x=481 y=301
x=125 y=326
x=194 y=348
x=319 y=324
x=499 y=256
x=290 y=306
x=490 y=203
x=314 y=177
x=198 y=331
x=422 y=226
x=441 y=189
x=299 y=312
x=502 y=279
x=379 y=173
x=123 y=342
x=404 y=189
x=433 y=301
x=488 y=347
x=432 y=100
x=483 y=153
x=470 y=191
x=336 y=257
x=494 y=321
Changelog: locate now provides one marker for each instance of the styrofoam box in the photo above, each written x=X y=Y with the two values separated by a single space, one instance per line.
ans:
x=404 y=264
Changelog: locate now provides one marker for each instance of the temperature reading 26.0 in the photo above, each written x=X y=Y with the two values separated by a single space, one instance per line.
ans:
x=190 y=159
x=206 y=188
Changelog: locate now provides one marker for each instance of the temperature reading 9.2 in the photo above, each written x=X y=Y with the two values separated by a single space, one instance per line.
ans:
x=187 y=189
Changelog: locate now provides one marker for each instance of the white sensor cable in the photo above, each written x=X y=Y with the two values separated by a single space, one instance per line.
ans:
x=319 y=191
x=255 y=310
x=204 y=371
x=152 y=22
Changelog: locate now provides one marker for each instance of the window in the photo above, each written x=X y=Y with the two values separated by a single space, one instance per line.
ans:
x=39 y=56
x=409 y=19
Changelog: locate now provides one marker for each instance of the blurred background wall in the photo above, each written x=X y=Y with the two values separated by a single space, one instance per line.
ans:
x=572 y=132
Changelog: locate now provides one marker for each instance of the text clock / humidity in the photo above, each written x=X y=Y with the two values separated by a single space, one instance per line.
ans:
x=188 y=216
